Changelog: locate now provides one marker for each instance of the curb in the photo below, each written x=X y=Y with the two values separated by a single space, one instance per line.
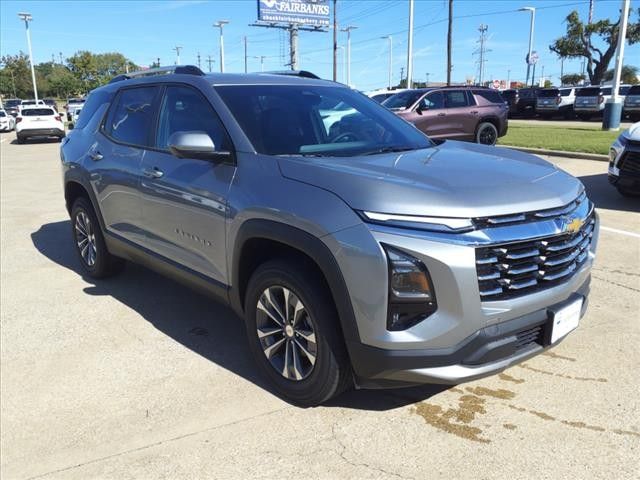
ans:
x=560 y=153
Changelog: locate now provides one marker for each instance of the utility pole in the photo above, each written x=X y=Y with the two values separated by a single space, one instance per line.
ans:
x=509 y=78
x=348 y=30
x=410 y=47
x=220 y=24
x=261 y=57
x=402 y=75
x=542 y=76
x=210 y=61
x=158 y=61
x=533 y=19
x=245 y=54
x=199 y=60
x=177 y=49
x=482 y=52
x=449 y=40
x=293 y=46
x=28 y=18
x=613 y=107
x=427 y=84
x=335 y=40
x=344 y=63
x=390 y=58
x=61 y=62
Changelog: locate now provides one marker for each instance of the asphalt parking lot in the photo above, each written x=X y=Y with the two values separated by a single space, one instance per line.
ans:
x=138 y=377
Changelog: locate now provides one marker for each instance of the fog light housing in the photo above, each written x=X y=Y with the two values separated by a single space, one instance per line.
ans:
x=411 y=295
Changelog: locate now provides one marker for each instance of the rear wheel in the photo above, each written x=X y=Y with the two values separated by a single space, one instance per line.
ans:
x=487 y=134
x=294 y=333
x=89 y=242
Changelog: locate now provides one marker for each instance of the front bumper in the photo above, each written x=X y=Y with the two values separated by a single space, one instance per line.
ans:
x=488 y=351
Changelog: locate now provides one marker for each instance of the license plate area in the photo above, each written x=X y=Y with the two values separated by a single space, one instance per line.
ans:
x=563 y=320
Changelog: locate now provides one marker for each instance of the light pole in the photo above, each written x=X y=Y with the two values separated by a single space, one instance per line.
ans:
x=533 y=20
x=261 y=57
x=613 y=107
x=177 y=49
x=344 y=62
x=348 y=30
x=27 y=18
x=410 y=47
x=508 y=78
x=390 y=58
x=220 y=24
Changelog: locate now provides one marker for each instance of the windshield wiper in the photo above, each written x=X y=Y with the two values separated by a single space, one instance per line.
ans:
x=389 y=150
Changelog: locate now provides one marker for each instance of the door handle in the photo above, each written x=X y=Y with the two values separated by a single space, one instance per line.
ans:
x=474 y=112
x=442 y=114
x=154 y=172
x=95 y=156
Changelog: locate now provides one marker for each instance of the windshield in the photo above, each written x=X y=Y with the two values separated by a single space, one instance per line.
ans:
x=12 y=103
x=291 y=120
x=35 y=112
x=75 y=100
x=403 y=99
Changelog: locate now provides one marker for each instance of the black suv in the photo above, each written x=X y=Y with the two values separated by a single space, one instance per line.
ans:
x=522 y=101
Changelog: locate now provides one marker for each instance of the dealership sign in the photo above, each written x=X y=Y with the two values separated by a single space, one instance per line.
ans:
x=306 y=12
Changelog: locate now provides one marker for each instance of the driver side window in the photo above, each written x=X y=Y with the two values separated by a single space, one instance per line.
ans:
x=432 y=101
x=184 y=109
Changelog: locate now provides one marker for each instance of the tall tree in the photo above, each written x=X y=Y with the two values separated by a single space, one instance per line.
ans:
x=628 y=75
x=572 y=79
x=578 y=42
x=16 y=72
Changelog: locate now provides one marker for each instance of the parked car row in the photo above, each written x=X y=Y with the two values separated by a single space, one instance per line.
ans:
x=459 y=113
x=582 y=102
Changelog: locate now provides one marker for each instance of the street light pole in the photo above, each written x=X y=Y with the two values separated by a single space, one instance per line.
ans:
x=27 y=18
x=390 y=58
x=532 y=10
x=348 y=30
x=177 y=49
x=261 y=57
x=613 y=107
x=220 y=24
x=344 y=62
x=410 y=47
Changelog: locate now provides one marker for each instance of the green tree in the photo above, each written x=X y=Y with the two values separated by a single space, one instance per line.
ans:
x=547 y=83
x=578 y=42
x=628 y=75
x=93 y=70
x=16 y=72
x=572 y=79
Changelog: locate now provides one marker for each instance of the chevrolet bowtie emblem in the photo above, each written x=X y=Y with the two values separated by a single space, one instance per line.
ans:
x=573 y=226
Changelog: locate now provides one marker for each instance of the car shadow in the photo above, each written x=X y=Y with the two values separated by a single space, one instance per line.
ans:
x=36 y=140
x=605 y=195
x=197 y=322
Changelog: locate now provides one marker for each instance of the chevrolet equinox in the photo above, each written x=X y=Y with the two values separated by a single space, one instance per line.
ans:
x=357 y=251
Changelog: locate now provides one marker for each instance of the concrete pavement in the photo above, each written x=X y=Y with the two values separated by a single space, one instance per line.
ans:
x=138 y=377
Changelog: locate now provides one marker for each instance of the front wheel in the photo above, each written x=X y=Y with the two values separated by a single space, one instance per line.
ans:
x=89 y=242
x=294 y=333
x=487 y=134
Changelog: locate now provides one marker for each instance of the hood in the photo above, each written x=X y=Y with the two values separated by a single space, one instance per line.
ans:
x=454 y=179
x=633 y=133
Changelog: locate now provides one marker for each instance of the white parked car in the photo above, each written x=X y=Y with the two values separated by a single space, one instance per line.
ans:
x=7 y=122
x=72 y=105
x=37 y=121
x=590 y=101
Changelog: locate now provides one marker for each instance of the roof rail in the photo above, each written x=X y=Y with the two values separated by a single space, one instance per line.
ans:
x=294 y=73
x=184 y=69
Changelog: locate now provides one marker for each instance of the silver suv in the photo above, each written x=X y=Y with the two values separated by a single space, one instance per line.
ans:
x=356 y=250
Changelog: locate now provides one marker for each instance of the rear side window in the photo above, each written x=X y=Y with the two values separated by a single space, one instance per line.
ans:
x=130 y=118
x=37 y=112
x=490 y=96
x=588 y=92
x=565 y=92
x=185 y=109
x=94 y=101
x=606 y=91
x=634 y=90
x=455 y=99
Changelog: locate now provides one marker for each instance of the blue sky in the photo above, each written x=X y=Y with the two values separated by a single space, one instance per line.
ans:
x=145 y=30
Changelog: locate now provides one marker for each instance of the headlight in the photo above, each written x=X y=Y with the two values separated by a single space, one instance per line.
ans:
x=411 y=294
x=415 y=222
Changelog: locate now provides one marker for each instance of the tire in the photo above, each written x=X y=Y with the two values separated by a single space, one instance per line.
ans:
x=627 y=193
x=305 y=382
x=546 y=116
x=585 y=117
x=486 y=134
x=89 y=242
x=21 y=139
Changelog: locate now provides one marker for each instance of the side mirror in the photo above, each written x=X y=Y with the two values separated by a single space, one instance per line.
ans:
x=421 y=107
x=198 y=145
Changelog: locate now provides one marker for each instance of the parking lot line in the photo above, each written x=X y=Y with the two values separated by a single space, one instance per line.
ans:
x=621 y=232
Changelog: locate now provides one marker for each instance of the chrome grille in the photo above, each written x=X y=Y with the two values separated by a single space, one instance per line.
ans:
x=498 y=221
x=511 y=270
x=630 y=163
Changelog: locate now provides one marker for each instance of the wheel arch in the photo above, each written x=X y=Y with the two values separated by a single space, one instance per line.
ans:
x=259 y=240
x=74 y=187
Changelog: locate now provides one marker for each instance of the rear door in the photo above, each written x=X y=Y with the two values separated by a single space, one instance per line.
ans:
x=185 y=200
x=461 y=114
x=114 y=159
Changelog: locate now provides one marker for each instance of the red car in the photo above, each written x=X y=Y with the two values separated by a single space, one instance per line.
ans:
x=458 y=113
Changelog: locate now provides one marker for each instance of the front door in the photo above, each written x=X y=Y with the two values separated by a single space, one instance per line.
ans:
x=430 y=115
x=185 y=200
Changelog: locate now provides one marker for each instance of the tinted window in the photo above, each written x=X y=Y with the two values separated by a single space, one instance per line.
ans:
x=25 y=102
x=509 y=94
x=455 y=98
x=623 y=90
x=403 y=99
x=35 y=112
x=12 y=103
x=94 y=101
x=548 y=93
x=606 y=91
x=588 y=92
x=288 y=120
x=634 y=90
x=2 y=114
x=565 y=92
x=381 y=96
x=184 y=109
x=491 y=96
x=433 y=101
x=131 y=116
